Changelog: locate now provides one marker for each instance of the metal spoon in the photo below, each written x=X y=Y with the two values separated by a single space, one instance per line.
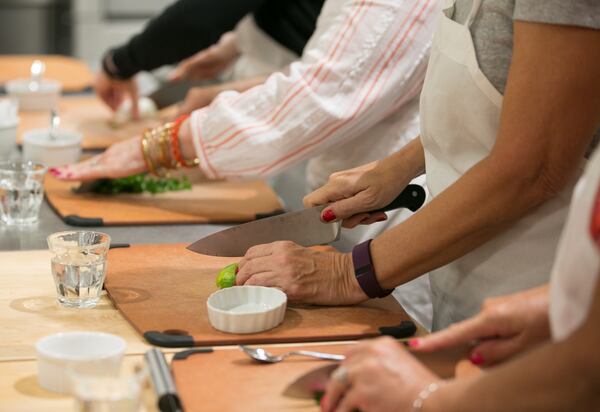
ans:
x=54 y=123
x=37 y=70
x=262 y=355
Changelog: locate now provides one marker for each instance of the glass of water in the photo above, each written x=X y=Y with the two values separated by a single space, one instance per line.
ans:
x=79 y=266
x=21 y=192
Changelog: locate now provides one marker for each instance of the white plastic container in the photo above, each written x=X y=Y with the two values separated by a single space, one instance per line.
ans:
x=9 y=122
x=246 y=309
x=35 y=95
x=64 y=149
x=61 y=354
x=8 y=139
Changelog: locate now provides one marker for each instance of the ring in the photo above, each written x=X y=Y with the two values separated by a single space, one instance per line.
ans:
x=341 y=375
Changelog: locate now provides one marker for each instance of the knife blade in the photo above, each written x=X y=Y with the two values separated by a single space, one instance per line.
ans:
x=302 y=227
x=309 y=384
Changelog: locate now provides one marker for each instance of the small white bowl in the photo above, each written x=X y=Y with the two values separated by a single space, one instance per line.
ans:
x=35 y=96
x=93 y=353
x=65 y=149
x=246 y=309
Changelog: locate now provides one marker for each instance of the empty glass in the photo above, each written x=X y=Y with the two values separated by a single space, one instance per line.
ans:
x=79 y=266
x=21 y=192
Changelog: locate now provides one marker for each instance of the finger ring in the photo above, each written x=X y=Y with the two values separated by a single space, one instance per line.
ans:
x=341 y=375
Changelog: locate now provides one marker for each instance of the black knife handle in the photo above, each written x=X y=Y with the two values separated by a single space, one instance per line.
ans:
x=412 y=198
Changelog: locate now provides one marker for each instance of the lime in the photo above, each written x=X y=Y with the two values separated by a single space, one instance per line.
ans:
x=226 y=278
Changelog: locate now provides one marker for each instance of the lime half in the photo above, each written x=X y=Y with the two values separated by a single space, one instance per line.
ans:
x=226 y=278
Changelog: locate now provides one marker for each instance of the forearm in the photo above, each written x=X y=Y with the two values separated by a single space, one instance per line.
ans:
x=178 y=32
x=485 y=201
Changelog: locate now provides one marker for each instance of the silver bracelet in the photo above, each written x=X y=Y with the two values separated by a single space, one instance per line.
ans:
x=417 y=405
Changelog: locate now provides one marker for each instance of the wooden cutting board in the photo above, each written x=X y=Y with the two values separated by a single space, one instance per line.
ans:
x=207 y=202
x=74 y=74
x=227 y=380
x=89 y=116
x=164 y=288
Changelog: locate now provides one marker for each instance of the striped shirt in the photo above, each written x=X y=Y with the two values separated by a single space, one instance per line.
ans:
x=351 y=98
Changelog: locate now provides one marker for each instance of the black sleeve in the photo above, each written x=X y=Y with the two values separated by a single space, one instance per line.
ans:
x=181 y=30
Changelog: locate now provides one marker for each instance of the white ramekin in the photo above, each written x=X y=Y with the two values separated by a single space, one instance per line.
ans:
x=65 y=149
x=93 y=353
x=44 y=95
x=246 y=309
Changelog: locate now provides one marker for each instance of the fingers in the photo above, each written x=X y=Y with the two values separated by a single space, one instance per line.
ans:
x=253 y=267
x=87 y=170
x=322 y=196
x=333 y=394
x=347 y=208
x=459 y=333
x=348 y=403
x=495 y=351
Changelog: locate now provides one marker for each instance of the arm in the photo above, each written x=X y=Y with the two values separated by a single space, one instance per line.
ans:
x=559 y=376
x=177 y=33
x=340 y=88
x=547 y=121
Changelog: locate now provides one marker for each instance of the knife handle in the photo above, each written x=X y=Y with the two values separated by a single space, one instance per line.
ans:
x=411 y=198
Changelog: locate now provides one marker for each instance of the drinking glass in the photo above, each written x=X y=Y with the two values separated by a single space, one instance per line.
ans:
x=79 y=266
x=21 y=192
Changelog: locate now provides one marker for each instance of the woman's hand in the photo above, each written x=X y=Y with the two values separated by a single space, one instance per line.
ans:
x=505 y=326
x=113 y=92
x=208 y=63
x=381 y=376
x=352 y=193
x=119 y=160
x=322 y=277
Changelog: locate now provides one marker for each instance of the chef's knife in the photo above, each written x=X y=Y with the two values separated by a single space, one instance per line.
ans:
x=303 y=227
x=311 y=383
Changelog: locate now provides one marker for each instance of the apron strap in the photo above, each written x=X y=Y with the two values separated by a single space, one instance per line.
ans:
x=473 y=13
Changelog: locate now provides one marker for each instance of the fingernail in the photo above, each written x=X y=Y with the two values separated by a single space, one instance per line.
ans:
x=476 y=358
x=54 y=171
x=382 y=219
x=328 y=215
x=413 y=343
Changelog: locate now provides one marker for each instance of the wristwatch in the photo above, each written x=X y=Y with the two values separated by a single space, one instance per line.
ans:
x=365 y=272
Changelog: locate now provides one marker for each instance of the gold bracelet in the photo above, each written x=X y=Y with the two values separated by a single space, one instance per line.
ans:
x=146 y=154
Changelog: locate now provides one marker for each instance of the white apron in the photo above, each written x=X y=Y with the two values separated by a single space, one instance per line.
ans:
x=575 y=272
x=259 y=54
x=460 y=116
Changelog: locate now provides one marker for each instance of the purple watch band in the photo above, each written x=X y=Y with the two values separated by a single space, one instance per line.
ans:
x=365 y=273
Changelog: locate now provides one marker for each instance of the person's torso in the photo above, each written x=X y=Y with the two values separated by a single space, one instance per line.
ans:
x=460 y=118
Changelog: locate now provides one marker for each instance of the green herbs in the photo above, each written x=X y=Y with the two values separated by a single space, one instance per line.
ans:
x=139 y=184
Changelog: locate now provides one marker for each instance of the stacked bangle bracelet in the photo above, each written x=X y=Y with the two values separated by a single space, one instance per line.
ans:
x=162 y=150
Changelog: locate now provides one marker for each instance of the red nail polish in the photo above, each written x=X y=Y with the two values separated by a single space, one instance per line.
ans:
x=54 y=171
x=476 y=359
x=413 y=343
x=328 y=215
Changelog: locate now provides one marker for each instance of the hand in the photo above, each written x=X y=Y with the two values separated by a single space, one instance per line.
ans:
x=382 y=376
x=505 y=326
x=322 y=277
x=113 y=92
x=120 y=160
x=197 y=98
x=208 y=63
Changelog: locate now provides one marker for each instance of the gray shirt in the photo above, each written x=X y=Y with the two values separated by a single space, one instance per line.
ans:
x=492 y=30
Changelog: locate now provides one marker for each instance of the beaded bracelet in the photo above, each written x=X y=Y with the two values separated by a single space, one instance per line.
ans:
x=417 y=405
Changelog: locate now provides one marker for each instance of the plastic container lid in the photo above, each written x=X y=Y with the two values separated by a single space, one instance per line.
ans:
x=41 y=137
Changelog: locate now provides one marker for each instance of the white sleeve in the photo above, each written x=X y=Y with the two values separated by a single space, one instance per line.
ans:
x=366 y=58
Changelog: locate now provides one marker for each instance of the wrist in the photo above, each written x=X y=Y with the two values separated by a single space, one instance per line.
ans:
x=352 y=289
x=364 y=271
